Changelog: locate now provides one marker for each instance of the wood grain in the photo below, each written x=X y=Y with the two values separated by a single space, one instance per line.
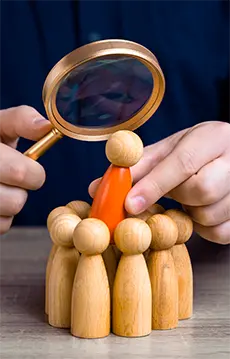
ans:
x=164 y=285
x=48 y=269
x=60 y=286
x=185 y=280
x=90 y=317
x=111 y=261
x=81 y=208
x=90 y=313
x=132 y=298
x=124 y=148
x=26 y=334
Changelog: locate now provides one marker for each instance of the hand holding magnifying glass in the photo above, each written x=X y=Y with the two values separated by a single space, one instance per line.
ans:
x=91 y=93
x=99 y=89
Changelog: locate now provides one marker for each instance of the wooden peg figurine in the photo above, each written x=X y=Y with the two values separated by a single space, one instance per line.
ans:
x=162 y=272
x=48 y=269
x=60 y=286
x=91 y=294
x=132 y=299
x=80 y=208
x=63 y=270
x=123 y=149
x=182 y=262
x=53 y=214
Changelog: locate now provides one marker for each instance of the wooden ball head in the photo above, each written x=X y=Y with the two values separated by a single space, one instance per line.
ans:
x=55 y=212
x=164 y=232
x=62 y=229
x=156 y=209
x=80 y=208
x=91 y=236
x=144 y=215
x=184 y=224
x=124 y=148
x=132 y=236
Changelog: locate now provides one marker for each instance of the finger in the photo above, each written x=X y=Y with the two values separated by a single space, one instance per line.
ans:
x=13 y=200
x=93 y=187
x=22 y=121
x=218 y=234
x=186 y=159
x=152 y=155
x=211 y=215
x=5 y=224
x=209 y=185
x=155 y=153
x=19 y=170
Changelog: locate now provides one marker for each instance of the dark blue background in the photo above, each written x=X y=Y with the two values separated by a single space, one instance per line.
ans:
x=189 y=38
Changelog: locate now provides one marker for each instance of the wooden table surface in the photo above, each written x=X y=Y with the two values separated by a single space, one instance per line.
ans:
x=26 y=335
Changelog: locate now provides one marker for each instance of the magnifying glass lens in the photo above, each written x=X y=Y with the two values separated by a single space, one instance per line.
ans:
x=98 y=89
x=104 y=92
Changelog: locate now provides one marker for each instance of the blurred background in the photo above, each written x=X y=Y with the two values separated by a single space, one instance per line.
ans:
x=189 y=39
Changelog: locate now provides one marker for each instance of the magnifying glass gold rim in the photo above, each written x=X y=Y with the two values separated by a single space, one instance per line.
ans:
x=89 y=52
x=96 y=50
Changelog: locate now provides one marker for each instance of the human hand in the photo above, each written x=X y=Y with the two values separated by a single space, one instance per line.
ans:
x=193 y=168
x=18 y=173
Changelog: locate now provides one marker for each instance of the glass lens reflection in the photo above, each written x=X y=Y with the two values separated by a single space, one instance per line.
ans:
x=104 y=92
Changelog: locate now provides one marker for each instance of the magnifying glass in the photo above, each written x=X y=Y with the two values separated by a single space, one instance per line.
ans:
x=98 y=89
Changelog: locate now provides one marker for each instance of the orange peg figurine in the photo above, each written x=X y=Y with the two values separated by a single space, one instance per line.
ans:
x=123 y=149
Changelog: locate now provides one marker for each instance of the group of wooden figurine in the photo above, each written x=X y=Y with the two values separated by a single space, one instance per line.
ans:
x=116 y=273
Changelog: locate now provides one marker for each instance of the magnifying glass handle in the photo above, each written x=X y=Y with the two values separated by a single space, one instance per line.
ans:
x=40 y=147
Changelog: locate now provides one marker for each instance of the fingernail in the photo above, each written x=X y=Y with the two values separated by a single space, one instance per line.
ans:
x=40 y=121
x=136 y=204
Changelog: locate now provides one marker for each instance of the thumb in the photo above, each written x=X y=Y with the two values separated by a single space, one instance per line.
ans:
x=22 y=121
